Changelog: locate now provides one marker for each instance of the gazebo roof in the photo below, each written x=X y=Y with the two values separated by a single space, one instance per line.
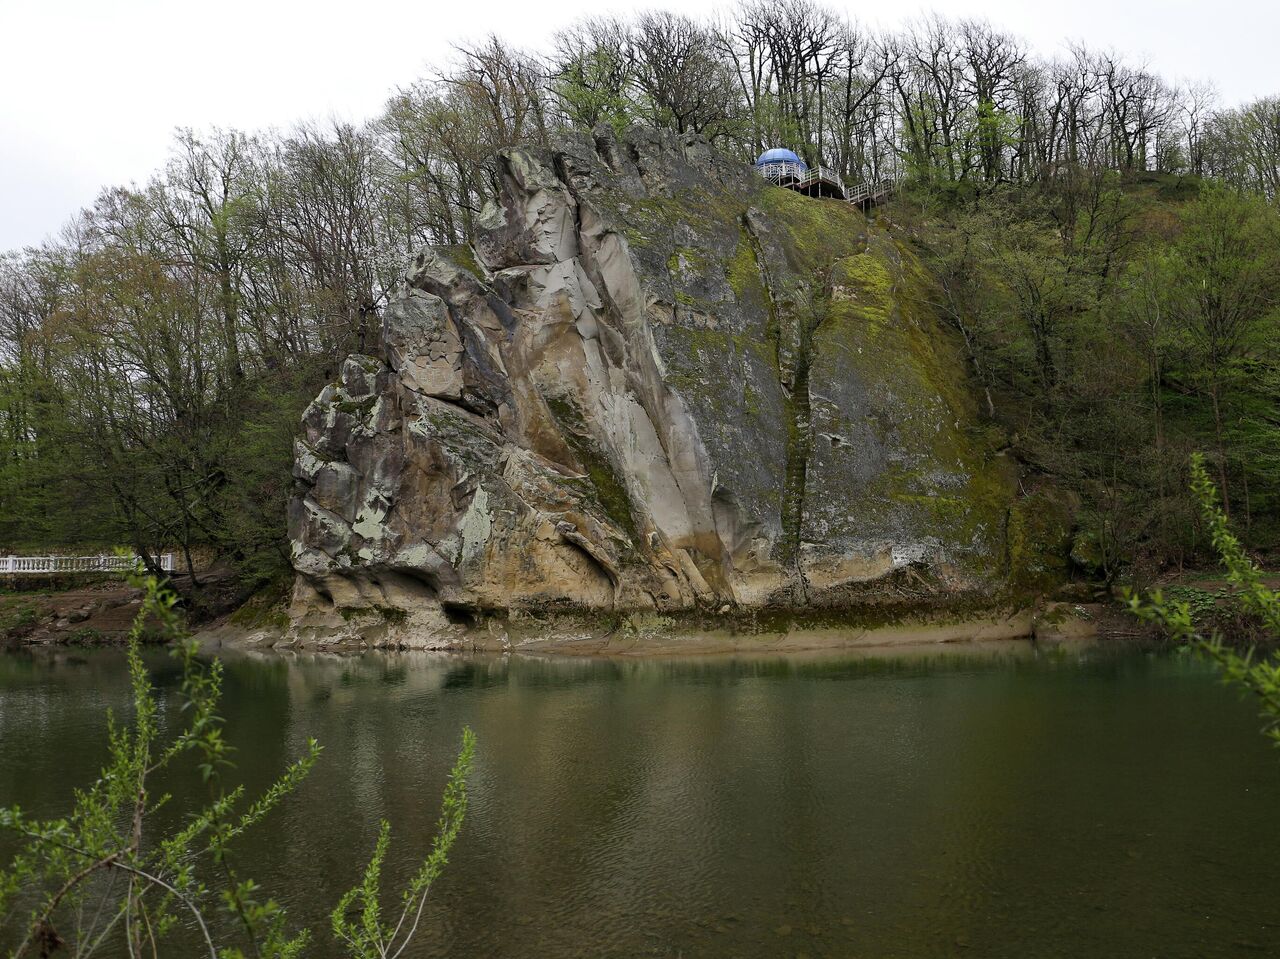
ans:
x=779 y=155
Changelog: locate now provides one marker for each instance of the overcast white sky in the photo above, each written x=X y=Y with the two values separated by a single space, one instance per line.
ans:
x=91 y=90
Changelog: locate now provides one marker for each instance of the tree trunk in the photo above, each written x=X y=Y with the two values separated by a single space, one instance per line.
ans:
x=1222 y=452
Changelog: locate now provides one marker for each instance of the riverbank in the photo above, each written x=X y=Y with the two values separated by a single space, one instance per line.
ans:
x=96 y=611
x=99 y=609
x=102 y=612
x=658 y=636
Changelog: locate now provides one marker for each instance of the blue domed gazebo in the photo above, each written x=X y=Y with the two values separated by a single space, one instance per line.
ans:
x=780 y=162
x=783 y=167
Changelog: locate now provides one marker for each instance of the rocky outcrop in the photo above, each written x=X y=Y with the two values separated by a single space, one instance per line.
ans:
x=654 y=384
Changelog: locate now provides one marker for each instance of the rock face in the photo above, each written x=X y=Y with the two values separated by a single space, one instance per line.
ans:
x=654 y=384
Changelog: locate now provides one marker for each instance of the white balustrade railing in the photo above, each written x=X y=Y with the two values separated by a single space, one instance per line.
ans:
x=102 y=563
x=798 y=176
x=871 y=190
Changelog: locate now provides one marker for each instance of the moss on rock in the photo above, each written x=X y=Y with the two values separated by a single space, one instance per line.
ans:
x=1039 y=540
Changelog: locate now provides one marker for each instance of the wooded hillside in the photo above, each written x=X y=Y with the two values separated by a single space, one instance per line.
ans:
x=1105 y=240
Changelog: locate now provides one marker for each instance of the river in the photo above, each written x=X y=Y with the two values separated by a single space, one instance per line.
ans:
x=1090 y=801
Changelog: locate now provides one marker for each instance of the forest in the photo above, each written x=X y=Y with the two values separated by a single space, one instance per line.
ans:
x=1104 y=240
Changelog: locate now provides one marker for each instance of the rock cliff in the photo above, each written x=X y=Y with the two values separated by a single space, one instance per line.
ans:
x=654 y=384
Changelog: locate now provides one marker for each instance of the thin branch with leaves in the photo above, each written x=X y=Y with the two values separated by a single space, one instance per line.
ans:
x=1259 y=675
x=99 y=877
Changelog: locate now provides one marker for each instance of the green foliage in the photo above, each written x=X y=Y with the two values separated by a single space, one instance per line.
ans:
x=17 y=615
x=1113 y=330
x=357 y=919
x=1113 y=272
x=592 y=83
x=1259 y=675
x=1202 y=604
x=104 y=874
x=1037 y=536
x=1222 y=293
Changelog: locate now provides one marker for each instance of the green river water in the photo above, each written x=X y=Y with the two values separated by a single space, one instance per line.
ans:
x=1091 y=802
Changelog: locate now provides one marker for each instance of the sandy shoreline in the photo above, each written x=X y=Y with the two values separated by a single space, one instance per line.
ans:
x=1054 y=623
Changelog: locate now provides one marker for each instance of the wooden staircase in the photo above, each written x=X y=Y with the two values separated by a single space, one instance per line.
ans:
x=871 y=193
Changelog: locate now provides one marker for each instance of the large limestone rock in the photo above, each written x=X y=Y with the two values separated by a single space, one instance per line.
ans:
x=655 y=384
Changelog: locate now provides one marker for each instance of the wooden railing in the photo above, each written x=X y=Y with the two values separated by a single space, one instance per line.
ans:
x=103 y=563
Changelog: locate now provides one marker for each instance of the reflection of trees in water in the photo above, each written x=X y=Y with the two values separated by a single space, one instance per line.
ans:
x=862 y=805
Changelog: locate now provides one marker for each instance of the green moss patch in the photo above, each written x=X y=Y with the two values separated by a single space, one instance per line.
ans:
x=610 y=493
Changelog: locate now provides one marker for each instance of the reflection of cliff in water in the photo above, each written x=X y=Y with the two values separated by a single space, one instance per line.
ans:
x=743 y=806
